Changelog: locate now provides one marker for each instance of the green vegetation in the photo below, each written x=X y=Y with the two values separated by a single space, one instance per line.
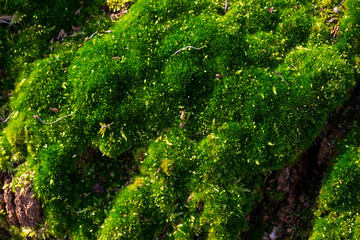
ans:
x=337 y=212
x=203 y=124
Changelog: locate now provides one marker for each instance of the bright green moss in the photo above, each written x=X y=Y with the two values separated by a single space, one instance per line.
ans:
x=4 y=152
x=337 y=211
x=337 y=226
x=350 y=27
x=256 y=103
x=116 y=5
x=185 y=189
x=248 y=98
x=341 y=189
x=46 y=96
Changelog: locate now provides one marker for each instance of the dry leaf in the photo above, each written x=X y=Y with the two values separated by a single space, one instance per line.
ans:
x=62 y=34
x=270 y=10
x=78 y=11
x=75 y=28
x=54 y=110
x=182 y=117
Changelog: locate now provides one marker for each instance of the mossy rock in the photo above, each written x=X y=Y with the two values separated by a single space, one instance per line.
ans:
x=252 y=92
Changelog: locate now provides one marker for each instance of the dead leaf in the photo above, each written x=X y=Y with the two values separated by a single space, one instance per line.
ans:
x=332 y=20
x=182 y=116
x=55 y=110
x=6 y=19
x=78 y=11
x=62 y=34
x=190 y=197
x=270 y=10
x=335 y=31
x=75 y=28
x=3 y=21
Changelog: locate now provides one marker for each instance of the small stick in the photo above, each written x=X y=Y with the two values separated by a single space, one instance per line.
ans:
x=4 y=121
x=294 y=67
x=277 y=73
x=184 y=48
x=106 y=126
x=336 y=9
x=226 y=6
x=78 y=11
x=341 y=3
x=36 y=116
x=87 y=39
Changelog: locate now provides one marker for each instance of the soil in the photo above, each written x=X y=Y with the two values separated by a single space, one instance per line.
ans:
x=28 y=210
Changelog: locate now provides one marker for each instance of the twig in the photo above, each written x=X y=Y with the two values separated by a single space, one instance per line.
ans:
x=4 y=121
x=341 y=3
x=87 y=39
x=294 y=67
x=108 y=125
x=78 y=11
x=184 y=48
x=277 y=73
x=336 y=9
x=36 y=116
x=226 y=6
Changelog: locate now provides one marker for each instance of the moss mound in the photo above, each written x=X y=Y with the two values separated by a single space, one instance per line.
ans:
x=165 y=127
x=337 y=213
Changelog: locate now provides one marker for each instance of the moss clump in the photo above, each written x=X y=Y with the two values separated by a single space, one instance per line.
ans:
x=252 y=91
x=337 y=212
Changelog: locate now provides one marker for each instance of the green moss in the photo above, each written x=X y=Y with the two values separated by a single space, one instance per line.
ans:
x=337 y=211
x=4 y=152
x=252 y=92
x=350 y=28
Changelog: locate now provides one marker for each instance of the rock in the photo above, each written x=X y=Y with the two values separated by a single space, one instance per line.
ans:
x=21 y=207
x=28 y=209
x=9 y=197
